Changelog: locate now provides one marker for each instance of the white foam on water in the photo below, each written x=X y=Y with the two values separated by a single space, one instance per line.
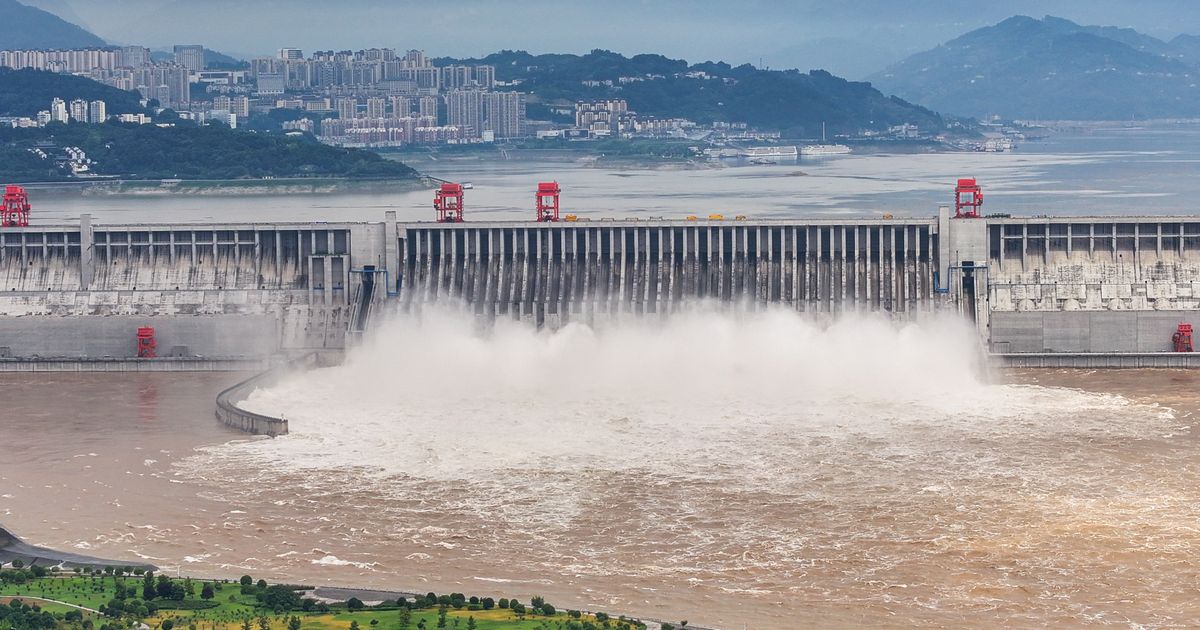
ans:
x=746 y=452
x=432 y=397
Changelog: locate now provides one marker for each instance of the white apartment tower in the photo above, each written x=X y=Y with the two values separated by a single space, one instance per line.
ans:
x=79 y=110
x=465 y=110
x=347 y=108
x=376 y=107
x=58 y=111
x=190 y=57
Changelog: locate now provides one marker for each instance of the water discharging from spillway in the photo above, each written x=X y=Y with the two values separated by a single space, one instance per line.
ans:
x=739 y=465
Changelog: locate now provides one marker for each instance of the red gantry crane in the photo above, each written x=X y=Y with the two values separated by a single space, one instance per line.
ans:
x=547 y=201
x=448 y=202
x=968 y=199
x=15 y=211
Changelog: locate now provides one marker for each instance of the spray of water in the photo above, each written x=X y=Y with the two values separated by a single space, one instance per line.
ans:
x=431 y=395
x=711 y=453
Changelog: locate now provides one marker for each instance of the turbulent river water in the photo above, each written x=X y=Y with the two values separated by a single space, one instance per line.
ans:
x=733 y=469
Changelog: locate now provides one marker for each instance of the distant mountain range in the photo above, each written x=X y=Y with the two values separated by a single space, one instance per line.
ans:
x=26 y=27
x=795 y=103
x=1053 y=69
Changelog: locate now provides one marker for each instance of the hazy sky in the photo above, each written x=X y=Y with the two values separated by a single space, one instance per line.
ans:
x=848 y=37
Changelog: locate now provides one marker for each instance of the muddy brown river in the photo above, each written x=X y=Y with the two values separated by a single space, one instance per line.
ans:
x=775 y=477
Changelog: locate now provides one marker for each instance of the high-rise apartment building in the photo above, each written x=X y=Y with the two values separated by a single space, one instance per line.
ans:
x=291 y=54
x=79 y=110
x=133 y=56
x=376 y=107
x=190 y=57
x=484 y=77
x=347 y=108
x=401 y=106
x=97 y=112
x=168 y=83
x=465 y=110
x=58 y=111
x=456 y=77
x=428 y=106
x=505 y=114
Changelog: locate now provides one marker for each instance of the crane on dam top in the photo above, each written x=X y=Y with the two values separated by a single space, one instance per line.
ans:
x=448 y=202
x=546 y=198
x=968 y=199
x=15 y=211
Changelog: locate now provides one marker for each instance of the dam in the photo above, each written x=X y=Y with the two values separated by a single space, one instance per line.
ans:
x=1035 y=286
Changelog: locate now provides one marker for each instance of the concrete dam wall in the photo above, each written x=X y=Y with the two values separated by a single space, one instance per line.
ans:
x=1035 y=285
x=553 y=273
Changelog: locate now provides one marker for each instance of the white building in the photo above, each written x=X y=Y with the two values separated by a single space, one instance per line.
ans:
x=79 y=110
x=190 y=57
x=58 y=111
x=97 y=112
x=376 y=107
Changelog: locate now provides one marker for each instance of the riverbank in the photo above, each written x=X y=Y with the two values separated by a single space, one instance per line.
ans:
x=227 y=187
x=137 y=595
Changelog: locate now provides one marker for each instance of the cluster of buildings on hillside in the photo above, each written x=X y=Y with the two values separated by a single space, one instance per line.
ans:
x=77 y=110
x=368 y=98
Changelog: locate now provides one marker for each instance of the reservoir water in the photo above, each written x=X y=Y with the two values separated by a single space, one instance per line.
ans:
x=1102 y=171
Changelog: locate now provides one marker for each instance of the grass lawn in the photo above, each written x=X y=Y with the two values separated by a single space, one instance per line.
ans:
x=234 y=607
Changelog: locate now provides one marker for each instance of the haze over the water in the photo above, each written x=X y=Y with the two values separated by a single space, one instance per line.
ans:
x=852 y=38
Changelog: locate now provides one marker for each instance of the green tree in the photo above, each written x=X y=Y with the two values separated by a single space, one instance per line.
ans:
x=264 y=623
x=470 y=623
x=441 y=617
x=353 y=625
x=293 y=623
x=246 y=625
x=246 y=580
x=280 y=598
x=354 y=603
x=207 y=592
x=405 y=618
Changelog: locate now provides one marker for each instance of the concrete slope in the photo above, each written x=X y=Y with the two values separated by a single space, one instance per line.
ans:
x=13 y=548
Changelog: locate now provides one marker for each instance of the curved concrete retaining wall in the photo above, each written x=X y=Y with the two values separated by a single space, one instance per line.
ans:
x=13 y=548
x=234 y=416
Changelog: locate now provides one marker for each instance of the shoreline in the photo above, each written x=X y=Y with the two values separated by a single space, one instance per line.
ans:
x=224 y=187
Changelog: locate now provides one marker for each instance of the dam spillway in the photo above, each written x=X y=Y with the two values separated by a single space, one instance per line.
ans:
x=553 y=273
x=1032 y=285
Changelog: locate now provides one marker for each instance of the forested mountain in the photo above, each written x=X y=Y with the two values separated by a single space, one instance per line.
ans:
x=28 y=28
x=1050 y=68
x=791 y=101
x=187 y=152
x=25 y=92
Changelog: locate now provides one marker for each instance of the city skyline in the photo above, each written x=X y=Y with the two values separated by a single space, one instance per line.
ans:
x=851 y=38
